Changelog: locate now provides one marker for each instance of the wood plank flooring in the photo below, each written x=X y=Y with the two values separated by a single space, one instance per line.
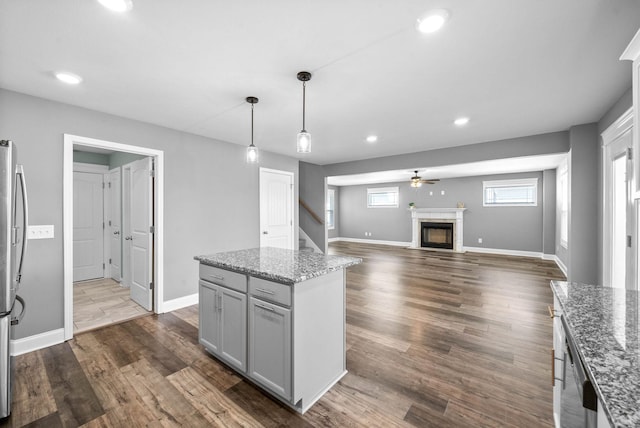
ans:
x=101 y=302
x=434 y=339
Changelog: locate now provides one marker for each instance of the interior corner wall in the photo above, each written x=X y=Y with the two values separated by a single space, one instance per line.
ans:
x=549 y=212
x=312 y=192
x=584 y=204
x=92 y=158
x=211 y=195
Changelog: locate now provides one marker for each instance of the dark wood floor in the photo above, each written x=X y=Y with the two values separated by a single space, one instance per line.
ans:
x=434 y=339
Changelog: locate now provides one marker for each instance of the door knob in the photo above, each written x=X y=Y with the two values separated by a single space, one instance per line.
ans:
x=128 y=238
x=117 y=232
x=265 y=232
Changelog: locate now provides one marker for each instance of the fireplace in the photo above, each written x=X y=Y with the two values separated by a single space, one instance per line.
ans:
x=436 y=235
x=439 y=216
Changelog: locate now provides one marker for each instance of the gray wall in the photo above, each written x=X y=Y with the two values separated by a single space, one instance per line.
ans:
x=117 y=159
x=507 y=228
x=312 y=191
x=335 y=232
x=585 y=203
x=211 y=195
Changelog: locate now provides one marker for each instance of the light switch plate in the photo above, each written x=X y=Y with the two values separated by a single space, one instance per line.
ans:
x=44 y=231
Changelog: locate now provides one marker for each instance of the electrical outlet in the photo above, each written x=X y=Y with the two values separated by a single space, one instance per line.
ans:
x=479 y=240
x=442 y=192
x=430 y=193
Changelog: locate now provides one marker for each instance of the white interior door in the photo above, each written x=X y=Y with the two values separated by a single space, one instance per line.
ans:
x=88 y=218
x=115 y=223
x=126 y=226
x=619 y=214
x=141 y=242
x=276 y=209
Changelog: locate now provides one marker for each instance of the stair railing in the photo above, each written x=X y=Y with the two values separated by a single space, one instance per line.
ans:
x=315 y=216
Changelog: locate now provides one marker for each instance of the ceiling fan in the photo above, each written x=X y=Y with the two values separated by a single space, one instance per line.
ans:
x=416 y=181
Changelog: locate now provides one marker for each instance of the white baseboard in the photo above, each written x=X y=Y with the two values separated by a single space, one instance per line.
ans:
x=534 y=254
x=179 y=303
x=561 y=265
x=373 y=241
x=333 y=239
x=37 y=341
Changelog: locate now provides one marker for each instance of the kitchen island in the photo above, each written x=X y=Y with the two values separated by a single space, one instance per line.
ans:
x=604 y=323
x=277 y=317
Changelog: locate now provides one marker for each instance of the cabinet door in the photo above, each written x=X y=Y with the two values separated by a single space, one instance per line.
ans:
x=233 y=328
x=209 y=324
x=270 y=346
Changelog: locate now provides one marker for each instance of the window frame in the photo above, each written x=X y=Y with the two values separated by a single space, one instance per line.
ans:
x=522 y=182
x=331 y=209
x=563 y=203
x=381 y=190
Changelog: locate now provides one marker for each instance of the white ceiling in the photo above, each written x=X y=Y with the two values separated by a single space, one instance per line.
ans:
x=514 y=67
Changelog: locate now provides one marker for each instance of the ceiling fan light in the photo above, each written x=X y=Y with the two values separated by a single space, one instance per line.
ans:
x=304 y=142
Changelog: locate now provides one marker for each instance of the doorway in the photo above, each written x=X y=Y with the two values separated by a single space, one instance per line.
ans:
x=619 y=205
x=276 y=209
x=147 y=224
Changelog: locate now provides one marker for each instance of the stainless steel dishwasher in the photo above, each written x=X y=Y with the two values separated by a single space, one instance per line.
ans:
x=578 y=398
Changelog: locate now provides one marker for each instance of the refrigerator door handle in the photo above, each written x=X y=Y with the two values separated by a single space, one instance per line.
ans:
x=25 y=218
x=17 y=319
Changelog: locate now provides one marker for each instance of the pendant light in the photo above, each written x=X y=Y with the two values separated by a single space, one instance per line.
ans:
x=252 y=150
x=304 y=138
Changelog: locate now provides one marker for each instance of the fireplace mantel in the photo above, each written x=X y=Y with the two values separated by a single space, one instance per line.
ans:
x=451 y=215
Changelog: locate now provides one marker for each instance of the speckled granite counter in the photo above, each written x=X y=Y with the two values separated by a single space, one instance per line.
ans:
x=604 y=322
x=279 y=265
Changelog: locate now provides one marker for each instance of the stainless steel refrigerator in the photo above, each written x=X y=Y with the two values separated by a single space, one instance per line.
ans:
x=13 y=245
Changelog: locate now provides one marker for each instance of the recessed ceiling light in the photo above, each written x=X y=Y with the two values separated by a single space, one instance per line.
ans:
x=117 y=5
x=69 y=78
x=461 y=121
x=372 y=138
x=432 y=21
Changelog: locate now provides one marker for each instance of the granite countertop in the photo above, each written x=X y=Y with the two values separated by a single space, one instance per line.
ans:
x=277 y=264
x=604 y=322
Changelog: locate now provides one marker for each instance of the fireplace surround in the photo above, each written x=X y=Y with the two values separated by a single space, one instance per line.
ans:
x=451 y=216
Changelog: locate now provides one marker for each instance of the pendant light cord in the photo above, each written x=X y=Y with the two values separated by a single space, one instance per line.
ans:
x=304 y=103
x=252 y=124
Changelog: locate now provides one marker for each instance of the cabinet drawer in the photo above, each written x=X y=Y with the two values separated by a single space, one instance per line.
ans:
x=271 y=291
x=235 y=281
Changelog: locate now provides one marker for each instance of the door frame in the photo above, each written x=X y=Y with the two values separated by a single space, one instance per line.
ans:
x=291 y=202
x=611 y=135
x=67 y=219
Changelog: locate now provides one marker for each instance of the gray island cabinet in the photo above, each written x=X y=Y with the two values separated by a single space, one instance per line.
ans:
x=278 y=318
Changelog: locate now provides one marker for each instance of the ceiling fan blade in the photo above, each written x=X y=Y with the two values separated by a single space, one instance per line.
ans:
x=431 y=181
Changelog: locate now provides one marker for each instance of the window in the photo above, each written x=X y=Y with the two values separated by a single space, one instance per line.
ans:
x=563 y=203
x=511 y=193
x=382 y=197
x=331 y=209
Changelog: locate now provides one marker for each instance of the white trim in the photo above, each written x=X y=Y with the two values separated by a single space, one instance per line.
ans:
x=334 y=239
x=372 y=241
x=534 y=254
x=90 y=168
x=180 y=302
x=561 y=265
x=303 y=235
x=67 y=219
x=613 y=146
x=37 y=341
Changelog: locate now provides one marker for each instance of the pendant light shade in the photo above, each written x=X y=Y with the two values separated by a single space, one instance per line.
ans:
x=252 y=150
x=304 y=138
